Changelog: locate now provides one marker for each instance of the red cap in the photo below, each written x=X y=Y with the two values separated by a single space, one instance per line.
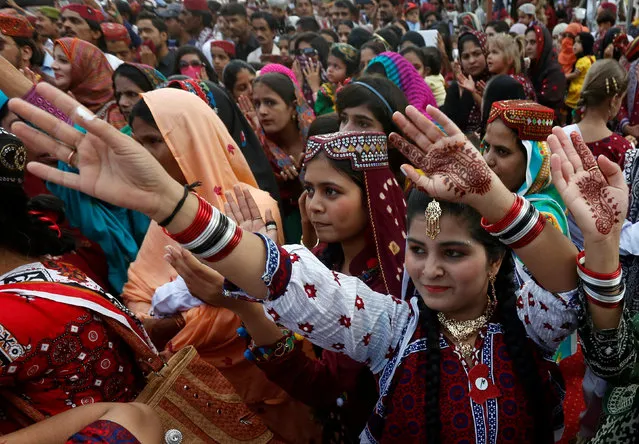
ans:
x=196 y=5
x=114 y=32
x=609 y=6
x=15 y=26
x=227 y=47
x=410 y=7
x=85 y=12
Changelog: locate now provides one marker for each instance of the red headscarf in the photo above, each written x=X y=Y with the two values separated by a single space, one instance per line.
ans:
x=385 y=202
x=91 y=83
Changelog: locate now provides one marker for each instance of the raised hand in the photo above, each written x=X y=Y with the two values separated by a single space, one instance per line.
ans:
x=453 y=169
x=312 y=75
x=244 y=211
x=112 y=167
x=466 y=83
x=594 y=190
x=248 y=109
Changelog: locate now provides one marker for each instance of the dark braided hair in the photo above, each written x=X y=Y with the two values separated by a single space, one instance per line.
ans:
x=515 y=337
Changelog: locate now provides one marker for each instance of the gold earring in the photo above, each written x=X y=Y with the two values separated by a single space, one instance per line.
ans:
x=432 y=214
x=493 y=292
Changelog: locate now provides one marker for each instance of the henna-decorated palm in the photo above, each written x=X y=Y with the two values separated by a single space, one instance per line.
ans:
x=594 y=190
x=453 y=169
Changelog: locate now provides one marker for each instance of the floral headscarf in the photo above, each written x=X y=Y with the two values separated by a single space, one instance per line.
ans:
x=90 y=73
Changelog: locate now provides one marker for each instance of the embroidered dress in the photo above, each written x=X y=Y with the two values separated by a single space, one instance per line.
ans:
x=57 y=350
x=103 y=431
x=383 y=333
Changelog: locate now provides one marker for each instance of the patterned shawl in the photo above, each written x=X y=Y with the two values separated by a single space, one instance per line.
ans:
x=403 y=74
x=90 y=73
x=154 y=77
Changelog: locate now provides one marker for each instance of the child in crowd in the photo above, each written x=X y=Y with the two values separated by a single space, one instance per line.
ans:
x=432 y=74
x=343 y=63
x=583 y=48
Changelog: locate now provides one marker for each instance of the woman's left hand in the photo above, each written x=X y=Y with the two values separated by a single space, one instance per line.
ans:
x=594 y=190
x=453 y=168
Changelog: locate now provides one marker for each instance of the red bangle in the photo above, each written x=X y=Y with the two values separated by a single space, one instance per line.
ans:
x=199 y=224
x=531 y=235
x=234 y=242
x=505 y=221
x=593 y=274
x=603 y=304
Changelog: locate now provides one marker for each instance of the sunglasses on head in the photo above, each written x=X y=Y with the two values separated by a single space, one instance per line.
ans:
x=310 y=52
x=194 y=63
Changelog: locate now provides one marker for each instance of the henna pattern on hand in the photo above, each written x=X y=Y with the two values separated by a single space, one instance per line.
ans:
x=459 y=163
x=593 y=189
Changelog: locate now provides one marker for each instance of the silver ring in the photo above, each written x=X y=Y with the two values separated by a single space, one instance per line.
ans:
x=271 y=226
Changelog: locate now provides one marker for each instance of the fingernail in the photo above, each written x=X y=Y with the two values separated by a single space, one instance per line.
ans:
x=401 y=168
x=84 y=114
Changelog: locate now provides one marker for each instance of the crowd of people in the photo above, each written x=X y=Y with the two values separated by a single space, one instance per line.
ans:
x=373 y=220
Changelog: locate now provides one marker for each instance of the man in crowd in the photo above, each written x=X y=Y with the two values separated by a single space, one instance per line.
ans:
x=177 y=35
x=304 y=8
x=238 y=26
x=16 y=41
x=47 y=26
x=83 y=22
x=387 y=11
x=369 y=10
x=117 y=40
x=263 y=25
x=154 y=50
x=196 y=19
x=343 y=10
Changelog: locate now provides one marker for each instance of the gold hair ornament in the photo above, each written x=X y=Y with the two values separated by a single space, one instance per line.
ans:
x=433 y=213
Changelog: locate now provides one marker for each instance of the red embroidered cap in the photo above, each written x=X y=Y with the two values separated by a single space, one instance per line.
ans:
x=85 y=12
x=15 y=26
x=227 y=47
x=114 y=32
x=531 y=120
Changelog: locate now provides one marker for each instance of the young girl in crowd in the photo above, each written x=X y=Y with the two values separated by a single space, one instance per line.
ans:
x=415 y=57
x=466 y=353
x=191 y=62
x=343 y=63
x=463 y=99
x=505 y=56
x=369 y=51
x=344 y=29
x=238 y=79
x=545 y=72
x=221 y=53
x=129 y=81
x=81 y=69
x=601 y=96
x=282 y=117
x=583 y=49
x=433 y=74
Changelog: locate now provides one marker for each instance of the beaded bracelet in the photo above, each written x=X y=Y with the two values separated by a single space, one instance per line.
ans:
x=283 y=346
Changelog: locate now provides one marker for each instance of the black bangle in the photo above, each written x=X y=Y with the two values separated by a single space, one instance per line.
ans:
x=180 y=204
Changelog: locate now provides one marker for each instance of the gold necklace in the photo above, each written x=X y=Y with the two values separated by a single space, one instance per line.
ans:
x=462 y=330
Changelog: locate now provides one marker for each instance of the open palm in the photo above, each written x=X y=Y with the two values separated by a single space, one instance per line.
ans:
x=594 y=190
x=112 y=166
x=452 y=167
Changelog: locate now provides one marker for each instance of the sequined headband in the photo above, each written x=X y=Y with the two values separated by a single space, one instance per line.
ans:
x=364 y=150
x=379 y=96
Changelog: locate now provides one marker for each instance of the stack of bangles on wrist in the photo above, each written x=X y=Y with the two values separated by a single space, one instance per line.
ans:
x=519 y=227
x=603 y=289
x=211 y=236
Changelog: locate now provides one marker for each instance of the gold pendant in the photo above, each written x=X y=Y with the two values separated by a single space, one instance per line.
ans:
x=433 y=213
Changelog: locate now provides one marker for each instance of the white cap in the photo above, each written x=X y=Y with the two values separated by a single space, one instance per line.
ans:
x=579 y=13
x=527 y=8
x=279 y=4
x=559 y=29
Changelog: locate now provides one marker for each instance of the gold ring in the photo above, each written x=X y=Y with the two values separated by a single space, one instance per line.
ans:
x=70 y=158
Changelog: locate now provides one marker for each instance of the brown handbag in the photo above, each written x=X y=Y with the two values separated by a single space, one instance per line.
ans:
x=196 y=404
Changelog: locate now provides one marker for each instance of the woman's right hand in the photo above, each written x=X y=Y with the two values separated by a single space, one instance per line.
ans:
x=112 y=166
x=248 y=109
x=453 y=169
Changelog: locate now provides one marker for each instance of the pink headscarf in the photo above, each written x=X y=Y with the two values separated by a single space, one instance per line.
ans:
x=276 y=67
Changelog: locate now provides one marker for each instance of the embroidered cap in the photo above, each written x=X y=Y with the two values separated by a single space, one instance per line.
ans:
x=114 y=32
x=364 y=150
x=226 y=46
x=15 y=26
x=531 y=120
x=13 y=158
x=85 y=12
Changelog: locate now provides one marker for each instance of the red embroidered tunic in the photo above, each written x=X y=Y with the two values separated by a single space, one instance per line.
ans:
x=613 y=147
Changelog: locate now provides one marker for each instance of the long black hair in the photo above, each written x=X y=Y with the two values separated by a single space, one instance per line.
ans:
x=230 y=72
x=515 y=337
x=281 y=84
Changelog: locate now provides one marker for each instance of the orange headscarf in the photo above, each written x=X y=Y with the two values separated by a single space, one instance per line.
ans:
x=205 y=152
x=91 y=79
